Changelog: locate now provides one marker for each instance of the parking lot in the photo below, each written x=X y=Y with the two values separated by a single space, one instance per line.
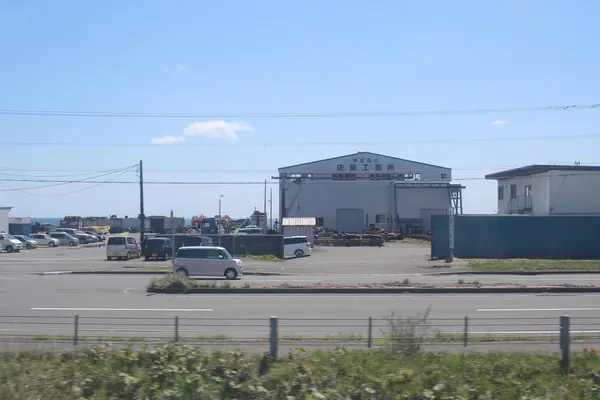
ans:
x=397 y=258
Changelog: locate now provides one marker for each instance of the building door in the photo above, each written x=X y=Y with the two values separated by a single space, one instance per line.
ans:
x=350 y=220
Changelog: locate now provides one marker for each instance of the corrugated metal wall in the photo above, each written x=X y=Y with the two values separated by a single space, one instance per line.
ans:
x=507 y=236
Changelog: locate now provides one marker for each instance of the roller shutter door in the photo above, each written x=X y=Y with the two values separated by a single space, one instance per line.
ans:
x=350 y=220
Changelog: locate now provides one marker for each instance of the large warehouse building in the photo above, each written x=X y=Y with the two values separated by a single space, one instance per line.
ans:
x=352 y=192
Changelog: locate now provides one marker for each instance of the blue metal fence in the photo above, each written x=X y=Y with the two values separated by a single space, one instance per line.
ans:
x=517 y=236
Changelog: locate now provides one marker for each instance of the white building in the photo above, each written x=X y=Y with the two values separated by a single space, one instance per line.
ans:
x=351 y=192
x=549 y=190
x=4 y=218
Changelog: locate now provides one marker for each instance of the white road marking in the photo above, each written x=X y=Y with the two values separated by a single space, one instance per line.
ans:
x=534 y=309
x=126 y=291
x=122 y=309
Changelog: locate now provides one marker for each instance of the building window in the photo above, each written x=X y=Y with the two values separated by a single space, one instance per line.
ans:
x=513 y=191
x=528 y=190
x=500 y=192
x=444 y=175
x=320 y=221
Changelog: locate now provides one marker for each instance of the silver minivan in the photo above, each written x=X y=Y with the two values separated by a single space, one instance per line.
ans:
x=64 y=238
x=207 y=261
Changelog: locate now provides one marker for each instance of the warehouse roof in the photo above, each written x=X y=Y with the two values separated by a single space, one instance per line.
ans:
x=367 y=153
x=540 y=168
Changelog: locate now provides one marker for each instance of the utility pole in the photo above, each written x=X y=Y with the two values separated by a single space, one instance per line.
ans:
x=219 y=220
x=265 y=207
x=271 y=210
x=142 y=216
x=173 y=234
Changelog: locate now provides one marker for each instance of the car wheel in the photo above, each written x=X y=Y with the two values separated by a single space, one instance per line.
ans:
x=9 y=249
x=299 y=253
x=72 y=244
x=146 y=258
x=51 y=244
x=29 y=247
x=231 y=274
x=182 y=272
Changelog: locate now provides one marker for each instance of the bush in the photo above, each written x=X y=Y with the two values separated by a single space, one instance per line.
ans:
x=185 y=372
x=406 y=334
x=171 y=282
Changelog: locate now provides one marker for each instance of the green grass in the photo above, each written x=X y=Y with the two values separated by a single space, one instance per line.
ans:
x=268 y=257
x=535 y=265
x=187 y=372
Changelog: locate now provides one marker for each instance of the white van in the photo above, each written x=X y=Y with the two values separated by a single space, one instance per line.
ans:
x=207 y=261
x=9 y=243
x=122 y=248
x=296 y=246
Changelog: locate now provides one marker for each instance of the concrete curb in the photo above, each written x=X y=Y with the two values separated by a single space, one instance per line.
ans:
x=119 y=272
x=434 y=290
x=544 y=272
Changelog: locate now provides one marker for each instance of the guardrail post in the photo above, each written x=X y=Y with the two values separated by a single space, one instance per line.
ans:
x=273 y=337
x=466 y=333
x=76 y=331
x=176 y=329
x=565 y=342
x=370 y=333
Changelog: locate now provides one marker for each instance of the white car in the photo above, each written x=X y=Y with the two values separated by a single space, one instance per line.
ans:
x=9 y=243
x=207 y=261
x=296 y=246
x=44 y=240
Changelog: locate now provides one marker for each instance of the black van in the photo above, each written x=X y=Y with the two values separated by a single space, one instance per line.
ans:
x=158 y=248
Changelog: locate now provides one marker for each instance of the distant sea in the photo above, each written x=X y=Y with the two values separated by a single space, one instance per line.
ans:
x=56 y=221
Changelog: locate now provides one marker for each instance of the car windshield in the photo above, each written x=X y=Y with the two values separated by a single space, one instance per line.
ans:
x=116 y=241
x=8 y=236
x=226 y=254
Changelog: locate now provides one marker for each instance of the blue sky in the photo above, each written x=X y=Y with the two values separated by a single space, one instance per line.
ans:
x=209 y=57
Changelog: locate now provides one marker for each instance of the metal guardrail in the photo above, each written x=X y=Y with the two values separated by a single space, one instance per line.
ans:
x=275 y=332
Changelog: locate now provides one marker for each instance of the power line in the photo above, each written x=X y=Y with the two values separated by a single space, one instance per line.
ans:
x=190 y=183
x=13 y=174
x=67 y=193
x=308 y=144
x=54 y=183
x=346 y=114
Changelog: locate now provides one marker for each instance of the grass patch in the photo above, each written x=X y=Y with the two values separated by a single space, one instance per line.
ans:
x=535 y=265
x=177 y=284
x=187 y=372
x=268 y=257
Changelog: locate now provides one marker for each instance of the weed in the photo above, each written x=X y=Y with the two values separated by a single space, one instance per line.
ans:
x=461 y=281
x=406 y=281
x=406 y=334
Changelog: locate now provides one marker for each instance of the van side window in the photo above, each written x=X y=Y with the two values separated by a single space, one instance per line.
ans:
x=213 y=254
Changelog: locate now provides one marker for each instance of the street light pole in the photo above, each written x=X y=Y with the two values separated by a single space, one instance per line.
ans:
x=219 y=221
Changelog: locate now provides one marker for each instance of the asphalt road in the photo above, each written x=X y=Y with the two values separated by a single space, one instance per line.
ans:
x=50 y=297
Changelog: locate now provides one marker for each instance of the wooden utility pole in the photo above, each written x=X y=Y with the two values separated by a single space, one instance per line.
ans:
x=271 y=210
x=142 y=216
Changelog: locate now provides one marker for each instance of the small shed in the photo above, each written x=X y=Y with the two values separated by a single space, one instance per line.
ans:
x=299 y=226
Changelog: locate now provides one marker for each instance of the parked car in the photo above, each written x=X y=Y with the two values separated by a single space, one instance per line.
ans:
x=296 y=246
x=99 y=236
x=159 y=248
x=65 y=239
x=122 y=247
x=44 y=240
x=70 y=231
x=9 y=243
x=84 y=238
x=28 y=242
x=207 y=261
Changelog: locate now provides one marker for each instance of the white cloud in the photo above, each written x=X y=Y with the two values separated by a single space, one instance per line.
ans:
x=168 y=140
x=498 y=122
x=216 y=129
x=176 y=69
